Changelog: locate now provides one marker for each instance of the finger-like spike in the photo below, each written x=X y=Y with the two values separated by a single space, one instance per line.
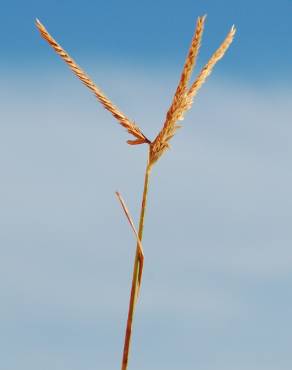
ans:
x=123 y=120
x=182 y=104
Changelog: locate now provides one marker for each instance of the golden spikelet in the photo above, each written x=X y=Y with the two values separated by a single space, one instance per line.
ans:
x=123 y=120
x=207 y=69
x=188 y=66
x=160 y=144
x=184 y=102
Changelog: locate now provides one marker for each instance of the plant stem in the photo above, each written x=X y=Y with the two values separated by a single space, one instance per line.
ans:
x=137 y=273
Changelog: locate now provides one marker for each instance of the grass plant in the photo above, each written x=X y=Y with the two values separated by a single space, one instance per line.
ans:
x=181 y=103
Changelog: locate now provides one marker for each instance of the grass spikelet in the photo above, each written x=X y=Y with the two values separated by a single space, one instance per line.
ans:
x=188 y=67
x=160 y=144
x=184 y=103
x=207 y=69
x=123 y=120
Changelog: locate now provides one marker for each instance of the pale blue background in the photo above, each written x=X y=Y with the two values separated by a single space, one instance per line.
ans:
x=216 y=292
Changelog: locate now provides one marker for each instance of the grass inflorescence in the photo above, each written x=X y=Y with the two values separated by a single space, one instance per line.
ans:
x=181 y=103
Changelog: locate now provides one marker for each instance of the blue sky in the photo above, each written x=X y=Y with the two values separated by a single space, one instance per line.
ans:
x=158 y=31
x=216 y=289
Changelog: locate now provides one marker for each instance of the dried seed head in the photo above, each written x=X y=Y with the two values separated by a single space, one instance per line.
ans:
x=123 y=120
x=183 y=99
x=207 y=69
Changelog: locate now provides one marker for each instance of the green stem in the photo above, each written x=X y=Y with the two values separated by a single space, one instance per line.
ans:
x=136 y=273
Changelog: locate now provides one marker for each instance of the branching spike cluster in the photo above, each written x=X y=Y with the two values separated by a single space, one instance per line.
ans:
x=124 y=121
x=183 y=98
